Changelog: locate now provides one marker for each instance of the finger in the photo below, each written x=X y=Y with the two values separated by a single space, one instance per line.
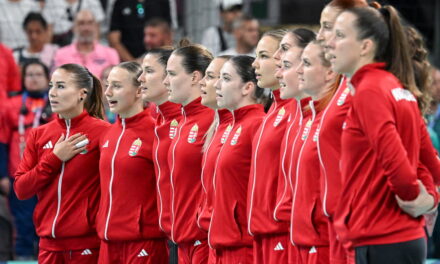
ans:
x=80 y=140
x=61 y=138
x=79 y=150
x=73 y=137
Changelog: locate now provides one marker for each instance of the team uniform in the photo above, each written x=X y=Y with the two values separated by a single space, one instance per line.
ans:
x=309 y=227
x=127 y=220
x=68 y=192
x=185 y=163
x=227 y=230
x=270 y=236
x=209 y=163
x=379 y=159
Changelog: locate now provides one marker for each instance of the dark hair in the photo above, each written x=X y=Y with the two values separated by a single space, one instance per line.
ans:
x=134 y=69
x=162 y=54
x=346 y=4
x=422 y=67
x=32 y=62
x=243 y=66
x=303 y=36
x=158 y=22
x=84 y=79
x=33 y=16
x=195 y=57
x=384 y=28
x=277 y=34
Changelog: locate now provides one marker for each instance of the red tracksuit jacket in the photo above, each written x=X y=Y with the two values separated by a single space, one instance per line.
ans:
x=167 y=121
x=128 y=207
x=228 y=224
x=185 y=162
x=283 y=206
x=379 y=159
x=309 y=225
x=68 y=192
x=209 y=163
x=263 y=181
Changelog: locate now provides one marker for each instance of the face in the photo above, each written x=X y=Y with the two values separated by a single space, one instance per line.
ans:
x=36 y=33
x=311 y=72
x=121 y=94
x=286 y=43
x=265 y=64
x=177 y=80
x=250 y=33
x=228 y=87
x=154 y=37
x=64 y=96
x=344 y=47
x=327 y=21
x=85 y=27
x=212 y=75
x=287 y=74
x=34 y=78
x=153 y=74
x=229 y=16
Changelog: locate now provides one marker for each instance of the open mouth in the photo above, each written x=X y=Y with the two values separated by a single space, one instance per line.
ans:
x=112 y=103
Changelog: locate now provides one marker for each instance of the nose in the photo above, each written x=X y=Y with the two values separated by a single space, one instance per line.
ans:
x=330 y=43
x=279 y=73
x=277 y=54
x=108 y=91
x=299 y=69
x=141 y=78
x=217 y=84
x=320 y=36
x=166 y=81
x=255 y=64
x=203 y=82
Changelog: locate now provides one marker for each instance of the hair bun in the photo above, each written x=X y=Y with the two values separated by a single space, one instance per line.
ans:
x=184 y=42
x=375 y=5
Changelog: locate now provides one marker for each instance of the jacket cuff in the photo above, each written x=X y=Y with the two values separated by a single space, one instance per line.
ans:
x=52 y=162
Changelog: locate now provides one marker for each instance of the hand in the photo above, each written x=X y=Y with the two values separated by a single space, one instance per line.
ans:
x=5 y=186
x=422 y=204
x=65 y=149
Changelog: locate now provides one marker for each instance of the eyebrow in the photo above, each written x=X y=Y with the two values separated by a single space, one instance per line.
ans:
x=226 y=74
x=262 y=51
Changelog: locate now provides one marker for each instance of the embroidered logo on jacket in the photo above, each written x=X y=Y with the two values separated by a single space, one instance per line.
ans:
x=316 y=135
x=402 y=94
x=86 y=252
x=341 y=99
x=48 y=145
x=105 y=144
x=173 y=128
x=279 y=117
x=279 y=247
x=306 y=130
x=143 y=253
x=193 y=134
x=226 y=134
x=134 y=149
x=234 y=140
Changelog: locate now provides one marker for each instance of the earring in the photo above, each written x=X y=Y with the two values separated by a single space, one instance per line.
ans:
x=81 y=99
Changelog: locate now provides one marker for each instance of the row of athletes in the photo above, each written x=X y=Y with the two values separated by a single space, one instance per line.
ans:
x=338 y=169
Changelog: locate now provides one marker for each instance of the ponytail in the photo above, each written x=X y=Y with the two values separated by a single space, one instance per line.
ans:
x=84 y=79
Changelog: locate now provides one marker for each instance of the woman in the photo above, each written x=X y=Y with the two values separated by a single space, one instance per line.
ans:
x=309 y=227
x=167 y=120
x=53 y=168
x=268 y=233
x=215 y=138
x=237 y=91
x=388 y=146
x=21 y=114
x=128 y=231
x=185 y=68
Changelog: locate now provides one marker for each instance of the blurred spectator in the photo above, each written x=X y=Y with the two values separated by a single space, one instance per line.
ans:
x=85 y=50
x=24 y=112
x=5 y=215
x=246 y=34
x=157 y=33
x=434 y=118
x=10 y=76
x=12 y=14
x=107 y=7
x=61 y=14
x=220 y=38
x=38 y=46
x=127 y=25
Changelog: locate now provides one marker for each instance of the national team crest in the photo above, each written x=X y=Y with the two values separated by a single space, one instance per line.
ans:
x=306 y=130
x=193 y=134
x=341 y=99
x=173 y=128
x=226 y=134
x=279 y=117
x=134 y=149
x=234 y=140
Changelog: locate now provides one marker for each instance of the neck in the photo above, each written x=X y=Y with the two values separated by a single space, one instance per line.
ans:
x=243 y=48
x=136 y=109
x=161 y=100
x=35 y=48
x=85 y=47
x=244 y=102
x=72 y=114
x=195 y=93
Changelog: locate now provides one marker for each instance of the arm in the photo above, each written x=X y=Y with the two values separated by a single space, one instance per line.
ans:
x=114 y=38
x=377 y=120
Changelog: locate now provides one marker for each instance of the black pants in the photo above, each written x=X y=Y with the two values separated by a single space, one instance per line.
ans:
x=410 y=252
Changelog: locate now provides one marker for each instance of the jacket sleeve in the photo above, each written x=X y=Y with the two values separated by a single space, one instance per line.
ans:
x=426 y=178
x=32 y=174
x=376 y=116
x=428 y=155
